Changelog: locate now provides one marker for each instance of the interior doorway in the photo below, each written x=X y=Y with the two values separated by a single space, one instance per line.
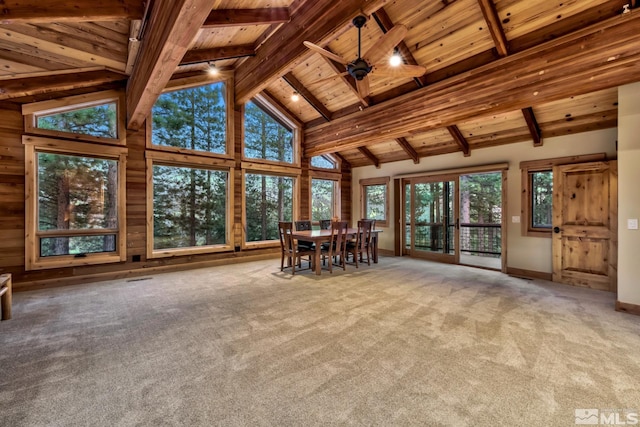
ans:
x=455 y=218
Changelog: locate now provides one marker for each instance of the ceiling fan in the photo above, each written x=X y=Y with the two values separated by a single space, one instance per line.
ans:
x=363 y=65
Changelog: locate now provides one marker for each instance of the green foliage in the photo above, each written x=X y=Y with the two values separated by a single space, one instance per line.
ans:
x=192 y=118
x=322 y=197
x=542 y=199
x=189 y=207
x=375 y=201
x=265 y=137
x=481 y=198
x=322 y=162
x=269 y=199
x=100 y=120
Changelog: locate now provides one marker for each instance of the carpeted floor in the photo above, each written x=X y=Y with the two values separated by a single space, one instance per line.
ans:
x=404 y=342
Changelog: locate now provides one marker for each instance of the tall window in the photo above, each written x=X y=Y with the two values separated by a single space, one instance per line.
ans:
x=266 y=135
x=75 y=196
x=375 y=199
x=268 y=200
x=189 y=207
x=323 y=199
x=193 y=119
x=541 y=199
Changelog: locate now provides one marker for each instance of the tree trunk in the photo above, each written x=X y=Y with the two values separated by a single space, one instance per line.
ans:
x=109 y=243
x=61 y=246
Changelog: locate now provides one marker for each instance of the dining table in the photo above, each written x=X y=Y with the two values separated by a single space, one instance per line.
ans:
x=321 y=236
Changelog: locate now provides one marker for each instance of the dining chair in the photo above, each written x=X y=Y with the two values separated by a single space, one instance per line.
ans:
x=290 y=249
x=336 y=249
x=362 y=243
x=325 y=224
x=301 y=226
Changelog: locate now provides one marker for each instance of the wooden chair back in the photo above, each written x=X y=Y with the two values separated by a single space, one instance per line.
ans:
x=303 y=225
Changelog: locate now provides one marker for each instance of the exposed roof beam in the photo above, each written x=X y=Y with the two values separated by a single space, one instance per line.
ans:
x=532 y=124
x=16 y=88
x=47 y=11
x=385 y=23
x=308 y=96
x=170 y=30
x=493 y=22
x=459 y=139
x=217 y=54
x=372 y=157
x=351 y=84
x=408 y=148
x=134 y=44
x=601 y=56
x=318 y=21
x=242 y=17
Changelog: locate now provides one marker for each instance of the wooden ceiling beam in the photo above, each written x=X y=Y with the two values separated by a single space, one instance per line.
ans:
x=532 y=124
x=47 y=11
x=243 y=17
x=169 y=33
x=408 y=148
x=493 y=22
x=15 y=88
x=598 y=57
x=385 y=23
x=318 y=21
x=217 y=54
x=459 y=139
x=308 y=96
x=369 y=155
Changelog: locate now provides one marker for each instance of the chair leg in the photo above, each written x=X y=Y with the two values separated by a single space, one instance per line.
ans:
x=282 y=261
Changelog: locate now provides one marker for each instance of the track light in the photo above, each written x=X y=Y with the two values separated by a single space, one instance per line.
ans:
x=213 y=70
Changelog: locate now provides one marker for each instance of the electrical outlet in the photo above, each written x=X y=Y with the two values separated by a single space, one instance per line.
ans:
x=515 y=219
x=632 y=224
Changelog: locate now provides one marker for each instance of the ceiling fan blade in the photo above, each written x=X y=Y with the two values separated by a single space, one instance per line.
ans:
x=328 y=79
x=385 y=44
x=321 y=51
x=363 y=86
x=402 y=70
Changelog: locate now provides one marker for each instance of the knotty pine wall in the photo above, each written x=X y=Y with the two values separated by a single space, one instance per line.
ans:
x=12 y=215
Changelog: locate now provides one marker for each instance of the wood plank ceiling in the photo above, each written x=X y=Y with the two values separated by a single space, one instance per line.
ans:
x=497 y=71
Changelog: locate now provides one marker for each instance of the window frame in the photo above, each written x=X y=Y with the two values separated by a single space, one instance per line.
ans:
x=196 y=162
x=33 y=260
x=175 y=85
x=327 y=175
x=266 y=102
x=527 y=168
x=33 y=111
x=257 y=168
x=366 y=182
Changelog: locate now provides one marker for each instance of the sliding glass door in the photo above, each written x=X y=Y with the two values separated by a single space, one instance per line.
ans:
x=430 y=212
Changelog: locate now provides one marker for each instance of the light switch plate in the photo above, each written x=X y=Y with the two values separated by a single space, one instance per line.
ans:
x=515 y=219
x=632 y=224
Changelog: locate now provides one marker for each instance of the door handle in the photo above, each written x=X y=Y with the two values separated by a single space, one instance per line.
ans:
x=556 y=230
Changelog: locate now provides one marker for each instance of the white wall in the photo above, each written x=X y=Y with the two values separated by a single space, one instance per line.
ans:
x=628 y=193
x=528 y=253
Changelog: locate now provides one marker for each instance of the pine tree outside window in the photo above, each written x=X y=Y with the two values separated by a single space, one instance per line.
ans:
x=323 y=199
x=266 y=135
x=268 y=200
x=374 y=199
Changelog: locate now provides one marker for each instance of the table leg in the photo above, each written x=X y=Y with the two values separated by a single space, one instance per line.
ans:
x=316 y=258
x=375 y=249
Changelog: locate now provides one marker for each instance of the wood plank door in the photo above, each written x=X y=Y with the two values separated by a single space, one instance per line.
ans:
x=585 y=225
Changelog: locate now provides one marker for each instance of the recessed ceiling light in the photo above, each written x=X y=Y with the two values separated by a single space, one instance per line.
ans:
x=295 y=97
x=213 y=70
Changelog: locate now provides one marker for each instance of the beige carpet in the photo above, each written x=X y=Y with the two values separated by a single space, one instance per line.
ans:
x=405 y=342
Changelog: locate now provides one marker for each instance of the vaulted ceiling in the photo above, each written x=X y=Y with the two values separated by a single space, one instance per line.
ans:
x=497 y=71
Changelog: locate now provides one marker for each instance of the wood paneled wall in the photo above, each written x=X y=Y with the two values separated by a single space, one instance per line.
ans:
x=12 y=216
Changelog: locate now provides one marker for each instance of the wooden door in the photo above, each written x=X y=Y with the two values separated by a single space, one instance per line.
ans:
x=585 y=225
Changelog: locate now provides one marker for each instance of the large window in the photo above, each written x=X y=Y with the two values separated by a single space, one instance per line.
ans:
x=75 y=197
x=189 y=207
x=375 y=199
x=267 y=136
x=323 y=199
x=324 y=162
x=268 y=200
x=194 y=119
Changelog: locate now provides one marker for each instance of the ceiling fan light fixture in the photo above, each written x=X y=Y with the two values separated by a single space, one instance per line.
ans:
x=359 y=69
x=395 y=60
